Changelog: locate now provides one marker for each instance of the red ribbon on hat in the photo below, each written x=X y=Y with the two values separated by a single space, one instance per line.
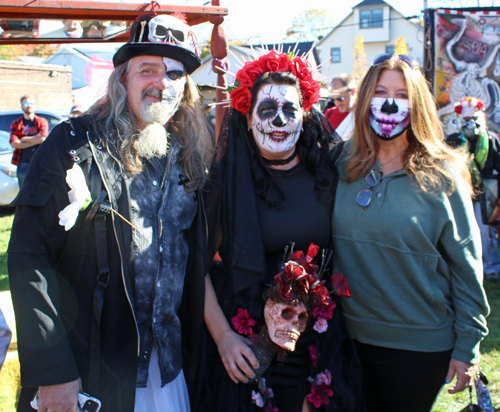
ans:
x=155 y=4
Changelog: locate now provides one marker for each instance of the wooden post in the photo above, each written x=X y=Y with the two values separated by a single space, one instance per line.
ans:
x=219 y=46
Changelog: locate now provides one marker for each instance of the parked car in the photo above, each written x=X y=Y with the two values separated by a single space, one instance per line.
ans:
x=6 y=118
x=9 y=186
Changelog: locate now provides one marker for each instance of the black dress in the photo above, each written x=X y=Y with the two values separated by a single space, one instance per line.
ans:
x=254 y=236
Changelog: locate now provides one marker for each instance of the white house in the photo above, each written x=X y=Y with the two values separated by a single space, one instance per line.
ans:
x=380 y=25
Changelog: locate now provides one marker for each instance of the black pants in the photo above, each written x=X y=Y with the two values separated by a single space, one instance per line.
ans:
x=397 y=380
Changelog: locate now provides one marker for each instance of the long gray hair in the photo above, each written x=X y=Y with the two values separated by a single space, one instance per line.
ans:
x=117 y=126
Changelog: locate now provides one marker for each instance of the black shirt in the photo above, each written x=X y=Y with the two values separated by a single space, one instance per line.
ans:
x=29 y=130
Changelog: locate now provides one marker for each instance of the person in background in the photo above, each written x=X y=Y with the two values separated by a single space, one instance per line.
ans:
x=341 y=117
x=98 y=289
x=26 y=135
x=76 y=110
x=405 y=236
x=475 y=138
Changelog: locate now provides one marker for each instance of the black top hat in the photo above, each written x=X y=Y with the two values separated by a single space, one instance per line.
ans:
x=140 y=44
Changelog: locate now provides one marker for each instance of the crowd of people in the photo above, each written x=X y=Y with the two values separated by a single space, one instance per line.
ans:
x=302 y=262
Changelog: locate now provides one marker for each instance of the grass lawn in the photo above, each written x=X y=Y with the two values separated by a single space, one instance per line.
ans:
x=490 y=348
x=5 y=225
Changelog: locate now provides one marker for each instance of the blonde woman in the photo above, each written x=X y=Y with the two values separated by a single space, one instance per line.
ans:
x=404 y=233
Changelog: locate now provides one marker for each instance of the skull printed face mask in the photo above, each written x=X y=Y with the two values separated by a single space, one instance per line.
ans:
x=277 y=118
x=389 y=118
x=285 y=323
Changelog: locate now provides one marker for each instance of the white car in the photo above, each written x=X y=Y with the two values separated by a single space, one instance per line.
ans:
x=9 y=186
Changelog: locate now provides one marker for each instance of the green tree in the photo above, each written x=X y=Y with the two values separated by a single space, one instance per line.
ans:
x=310 y=25
x=12 y=51
x=401 y=47
x=360 y=60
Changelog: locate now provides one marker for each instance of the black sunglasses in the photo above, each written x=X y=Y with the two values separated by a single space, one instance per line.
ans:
x=340 y=99
x=410 y=61
x=365 y=196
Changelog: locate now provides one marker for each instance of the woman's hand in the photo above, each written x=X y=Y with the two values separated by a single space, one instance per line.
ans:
x=465 y=375
x=233 y=350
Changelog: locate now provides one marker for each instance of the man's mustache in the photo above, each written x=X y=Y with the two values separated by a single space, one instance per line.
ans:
x=164 y=96
x=152 y=92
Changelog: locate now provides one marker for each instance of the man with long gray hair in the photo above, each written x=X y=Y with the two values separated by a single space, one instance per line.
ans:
x=107 y=255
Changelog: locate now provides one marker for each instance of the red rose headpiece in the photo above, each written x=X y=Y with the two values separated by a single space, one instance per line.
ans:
x=274 y=61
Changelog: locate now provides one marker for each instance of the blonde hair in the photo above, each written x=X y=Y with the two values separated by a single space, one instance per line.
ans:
x=118 y=125
x=428 y=158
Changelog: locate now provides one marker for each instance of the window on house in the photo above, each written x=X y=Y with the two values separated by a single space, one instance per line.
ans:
x=389 y=49
x=335 y=53
x=371 y=18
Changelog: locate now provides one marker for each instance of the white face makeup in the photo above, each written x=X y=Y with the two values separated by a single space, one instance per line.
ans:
x=389 y=118
x=277 y=118
x=473 y=121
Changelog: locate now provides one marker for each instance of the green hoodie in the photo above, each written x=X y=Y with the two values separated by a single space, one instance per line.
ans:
x=413 y=260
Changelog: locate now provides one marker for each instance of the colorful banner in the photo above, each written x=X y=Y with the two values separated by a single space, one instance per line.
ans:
x=467 y=62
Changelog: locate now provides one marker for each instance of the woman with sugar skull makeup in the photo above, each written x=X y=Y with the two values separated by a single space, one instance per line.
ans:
x=475 y=138
x=273 y=185
x=404 y=231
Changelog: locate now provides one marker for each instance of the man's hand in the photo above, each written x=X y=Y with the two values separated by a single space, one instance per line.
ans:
x=465 y=375
x=59 y=398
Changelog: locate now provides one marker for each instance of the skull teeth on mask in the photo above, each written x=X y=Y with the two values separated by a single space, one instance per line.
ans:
x=285 y=323
x=169 y=29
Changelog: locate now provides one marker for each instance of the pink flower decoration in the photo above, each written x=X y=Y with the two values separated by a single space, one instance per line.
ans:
x=243 y=323
x=321 y=325
x=320 y=395
x=313 y=350
x=257 y=399
x=325 y=312
x=270 y=408
x=324 y=377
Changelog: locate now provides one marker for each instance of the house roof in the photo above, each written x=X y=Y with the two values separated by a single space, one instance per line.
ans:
x=371 y=3
x=363 y=4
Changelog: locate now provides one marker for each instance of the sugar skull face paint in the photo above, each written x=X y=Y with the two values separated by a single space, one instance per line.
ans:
x=277 y=118
x=473 y=122
x=389 y=118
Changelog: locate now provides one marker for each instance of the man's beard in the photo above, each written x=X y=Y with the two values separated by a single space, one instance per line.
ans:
x=158 y=112
x=152 y=141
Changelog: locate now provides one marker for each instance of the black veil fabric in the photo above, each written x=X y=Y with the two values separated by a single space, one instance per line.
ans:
x=231 y=205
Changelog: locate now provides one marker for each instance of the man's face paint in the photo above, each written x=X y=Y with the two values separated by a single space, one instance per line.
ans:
x=389 y=118
x=277 y=118
x=155 y=87
x=473 y=122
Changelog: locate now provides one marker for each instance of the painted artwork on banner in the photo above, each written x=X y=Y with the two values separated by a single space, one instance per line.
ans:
x=467 y=63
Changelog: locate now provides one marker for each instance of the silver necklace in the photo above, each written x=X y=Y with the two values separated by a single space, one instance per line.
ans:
x=394 y=158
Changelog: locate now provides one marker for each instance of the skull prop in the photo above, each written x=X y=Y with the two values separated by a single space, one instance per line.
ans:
x=285 y=323
x=165 y=28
